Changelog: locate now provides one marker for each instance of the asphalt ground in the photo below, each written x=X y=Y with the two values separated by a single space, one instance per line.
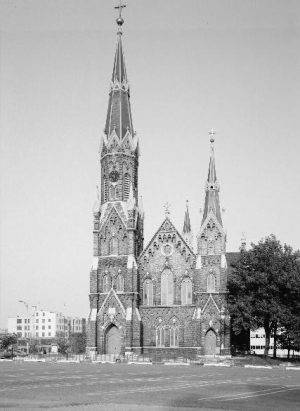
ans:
x=88 y=387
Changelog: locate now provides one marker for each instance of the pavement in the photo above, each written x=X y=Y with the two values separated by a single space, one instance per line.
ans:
x=117 y=387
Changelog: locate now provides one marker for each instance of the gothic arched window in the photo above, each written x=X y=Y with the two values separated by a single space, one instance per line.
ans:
x=112 y=192
x=114 y=246
x=186 y=291
x=148 y=292
x=167 y=288
x=120 y=283
x=211 y=283
x=106 y=286
x=160 y=337
x=174 y=336
x=126 y=186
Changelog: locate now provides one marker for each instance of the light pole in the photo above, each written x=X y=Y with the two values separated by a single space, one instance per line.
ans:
x=28 y=321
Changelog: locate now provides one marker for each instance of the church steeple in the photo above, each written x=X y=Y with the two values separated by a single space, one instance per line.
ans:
x=119 y=144
x=187 y=229
x=212 y=202
x=119 y=111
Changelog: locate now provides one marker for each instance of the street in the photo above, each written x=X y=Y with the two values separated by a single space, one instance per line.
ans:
x=86 y=386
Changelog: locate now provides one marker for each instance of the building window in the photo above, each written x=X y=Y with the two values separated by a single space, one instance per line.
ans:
x=120 y=283
x=19 y=335
x=19 y=327
x=186 y=291
x=36 y=334
x=37 y=320
x=37 y=327
x=49 y=320
x=49 y=334
x=49 y=327
x=174 y=337
x=106 y=284
x=36 y=314
x=43 y=327
x=114 y=246
x=148 y=292
x=43 y=320
x=160 y=337
x=43 y=314
x=19 y=320
x=167 y=288
x=211 y=283
x=43 y=334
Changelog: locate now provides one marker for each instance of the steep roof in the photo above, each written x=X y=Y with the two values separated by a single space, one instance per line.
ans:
x=187 y=223
x=119 y=117
x=212 y=201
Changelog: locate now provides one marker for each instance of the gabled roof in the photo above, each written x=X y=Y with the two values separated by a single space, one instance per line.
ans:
x=167 y=227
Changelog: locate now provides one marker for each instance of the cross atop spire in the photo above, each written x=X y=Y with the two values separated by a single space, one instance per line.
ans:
x=120 y=19
x=167 y=209
x=212 y=134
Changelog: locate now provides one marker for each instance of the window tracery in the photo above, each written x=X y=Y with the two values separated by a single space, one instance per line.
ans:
x=211 y=283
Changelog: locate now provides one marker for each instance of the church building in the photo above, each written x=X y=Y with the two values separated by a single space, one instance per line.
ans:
x=165 y=298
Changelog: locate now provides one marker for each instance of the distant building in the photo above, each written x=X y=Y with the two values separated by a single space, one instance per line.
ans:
x=45 y=324
x=258 y=343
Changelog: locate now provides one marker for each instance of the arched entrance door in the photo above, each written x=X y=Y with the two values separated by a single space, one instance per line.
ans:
x=210 y=343
x=113 y=340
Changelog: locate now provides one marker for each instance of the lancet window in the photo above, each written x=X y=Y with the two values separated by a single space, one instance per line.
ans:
x=106 y=285
x=148 y=292
x=211 y=283
x=160 y=337
x=167 y=288
x=113 y=246
x=174 y=336
x=126 y=186
x=186 y=291
x=120 y=283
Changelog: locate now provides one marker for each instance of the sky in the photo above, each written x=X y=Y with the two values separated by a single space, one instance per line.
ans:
x=192 y=65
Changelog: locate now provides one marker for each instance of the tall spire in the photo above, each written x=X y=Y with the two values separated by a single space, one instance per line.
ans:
x=119 y=112
x=212 y=202
x=187 y=223
x=187 y=229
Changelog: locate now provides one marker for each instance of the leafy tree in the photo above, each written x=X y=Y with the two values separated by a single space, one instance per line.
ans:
x=262 y=288
x=8 y=340
x=63 y=345
x=78 y=342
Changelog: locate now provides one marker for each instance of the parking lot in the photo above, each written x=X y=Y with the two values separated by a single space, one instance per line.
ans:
x=87 y=386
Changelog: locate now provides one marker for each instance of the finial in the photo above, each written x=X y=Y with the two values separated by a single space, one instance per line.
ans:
x=187 y=204
x=167 y=209
x=120 y=19
x=212 y=133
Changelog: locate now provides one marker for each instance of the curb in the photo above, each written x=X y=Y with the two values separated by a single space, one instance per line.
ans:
x=268 y=367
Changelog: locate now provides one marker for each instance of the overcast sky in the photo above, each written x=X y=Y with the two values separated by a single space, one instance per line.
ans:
x=192 y=65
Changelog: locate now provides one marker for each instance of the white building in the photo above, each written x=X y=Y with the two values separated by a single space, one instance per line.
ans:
x=45 y=324
x=258 y=342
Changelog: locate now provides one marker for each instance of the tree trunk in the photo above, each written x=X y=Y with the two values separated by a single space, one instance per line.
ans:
x=275 y=340
x=268 y=335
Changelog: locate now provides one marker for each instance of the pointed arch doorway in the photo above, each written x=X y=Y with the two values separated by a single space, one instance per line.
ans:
x=113 y=340
x=210 y=343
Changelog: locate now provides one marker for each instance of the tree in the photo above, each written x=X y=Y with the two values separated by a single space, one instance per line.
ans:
x=63 y=345
x=8 y=340
x=261 y=288
x=78 y=343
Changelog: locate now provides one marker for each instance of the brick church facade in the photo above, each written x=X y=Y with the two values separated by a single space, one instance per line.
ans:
x=164 y=298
